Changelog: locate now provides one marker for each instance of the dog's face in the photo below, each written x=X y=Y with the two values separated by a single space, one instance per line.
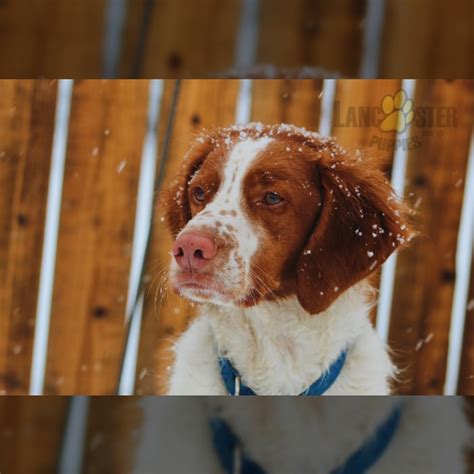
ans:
x=261 y=213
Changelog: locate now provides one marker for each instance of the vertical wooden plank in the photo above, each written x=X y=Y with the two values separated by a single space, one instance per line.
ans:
x=357 y=116
x=185 y=39
x=327 y=35
x=153 y=278
x=466 y=371
x=51 y=38
x=134 y=32
x=425 y=276
x=79 y=28
x=426 y=38
x=30 y=433
x=107 y=127
x=27 y=111
x=112 y=435
x=201 y=104
x=57 y=38
x=287 y=101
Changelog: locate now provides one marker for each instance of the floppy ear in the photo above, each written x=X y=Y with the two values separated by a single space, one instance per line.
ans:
x=359 y=226
x=175 y=198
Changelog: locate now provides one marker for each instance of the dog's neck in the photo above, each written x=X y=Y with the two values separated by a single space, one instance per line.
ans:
x=281 y=349
x=307 y=435
x=312 y=435
x=317 y=434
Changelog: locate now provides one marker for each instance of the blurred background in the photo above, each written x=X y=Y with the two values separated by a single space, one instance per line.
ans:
x=121 y=435
x=236 y=38
x=84 y=308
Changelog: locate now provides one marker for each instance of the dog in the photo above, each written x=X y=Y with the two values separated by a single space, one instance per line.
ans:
x=304 y=435
x=277 y=230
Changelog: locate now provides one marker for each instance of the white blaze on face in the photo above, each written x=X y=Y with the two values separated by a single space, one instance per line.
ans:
x=226 y=217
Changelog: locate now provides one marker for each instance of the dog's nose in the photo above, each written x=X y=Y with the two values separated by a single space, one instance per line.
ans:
x=193 y=251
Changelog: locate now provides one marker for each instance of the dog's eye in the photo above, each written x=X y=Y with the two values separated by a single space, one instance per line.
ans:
x=199 y=194
x=272 y=199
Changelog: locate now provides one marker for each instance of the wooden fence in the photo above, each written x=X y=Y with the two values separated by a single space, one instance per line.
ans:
x=65 y=290
x=186 y=38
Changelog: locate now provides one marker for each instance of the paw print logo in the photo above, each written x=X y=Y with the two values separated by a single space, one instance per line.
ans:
x=398 y=111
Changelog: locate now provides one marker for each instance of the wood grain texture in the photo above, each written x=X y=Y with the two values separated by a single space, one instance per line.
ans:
x=107 y=129
x=426 y=274
x=185 y=39
x=27 y=111
x=57 y=38
x=51 y=38
x=427 y=39
x=112 y=435
x=133 y=33
x=287 y=101
x=306 y=33
x=357 y=116
x=201 y=104
x=30 y=434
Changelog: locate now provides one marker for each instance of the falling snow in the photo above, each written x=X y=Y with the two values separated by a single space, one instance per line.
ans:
x=424 y=341
x=121 y=166
x=17 y=349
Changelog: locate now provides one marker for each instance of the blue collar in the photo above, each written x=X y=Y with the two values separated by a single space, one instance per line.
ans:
x=229 y=448
x=232 y=378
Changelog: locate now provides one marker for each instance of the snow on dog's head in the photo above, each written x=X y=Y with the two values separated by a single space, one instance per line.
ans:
x=264 y=212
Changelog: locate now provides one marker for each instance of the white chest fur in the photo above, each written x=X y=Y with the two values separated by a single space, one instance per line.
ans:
x=280 y=349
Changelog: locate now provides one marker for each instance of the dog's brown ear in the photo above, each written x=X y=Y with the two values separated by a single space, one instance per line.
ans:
x=174 y=200
x=360 y=225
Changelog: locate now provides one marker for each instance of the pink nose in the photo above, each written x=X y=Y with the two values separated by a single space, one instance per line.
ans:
x=193 y=251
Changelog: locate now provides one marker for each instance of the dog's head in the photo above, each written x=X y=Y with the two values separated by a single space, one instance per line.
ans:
x=263 y=212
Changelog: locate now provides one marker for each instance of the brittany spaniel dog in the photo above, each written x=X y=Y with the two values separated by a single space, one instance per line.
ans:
x=277 y=230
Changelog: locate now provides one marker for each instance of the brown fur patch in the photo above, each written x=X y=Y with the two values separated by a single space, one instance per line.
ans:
x=337 y=223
